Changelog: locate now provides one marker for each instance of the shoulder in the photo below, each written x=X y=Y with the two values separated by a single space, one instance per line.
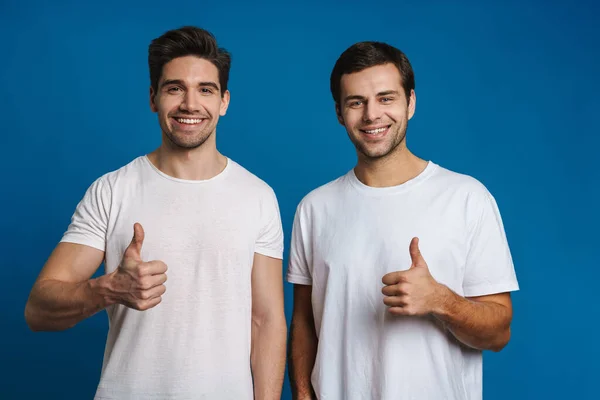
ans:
x=324 y=194
x=470 y=196
x=125 y=174
x=247 y=182
x=459 y=183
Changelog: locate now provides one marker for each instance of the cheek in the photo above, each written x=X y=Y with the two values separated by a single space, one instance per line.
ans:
x=164 y=108
x=398 y=115
x=352 y=119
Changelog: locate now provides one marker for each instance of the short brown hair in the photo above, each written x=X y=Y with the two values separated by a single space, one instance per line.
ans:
x=187 y=41
x=364 y=55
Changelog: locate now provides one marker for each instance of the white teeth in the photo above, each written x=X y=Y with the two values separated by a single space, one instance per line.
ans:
x=379 y=130
x=188 y=120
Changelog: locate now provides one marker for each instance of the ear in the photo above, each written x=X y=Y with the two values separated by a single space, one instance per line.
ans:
x=153 y=106
x=412 y=104
x=338 y=113
x=224 y=103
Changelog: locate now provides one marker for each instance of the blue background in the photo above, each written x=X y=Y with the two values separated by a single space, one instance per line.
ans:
x=506 y=92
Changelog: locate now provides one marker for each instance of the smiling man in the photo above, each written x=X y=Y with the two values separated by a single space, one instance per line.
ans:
x=216 y=329
x=402 y=270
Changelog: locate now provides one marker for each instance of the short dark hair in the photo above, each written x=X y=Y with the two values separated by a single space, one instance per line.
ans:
x=187 y=41
x=364 y=55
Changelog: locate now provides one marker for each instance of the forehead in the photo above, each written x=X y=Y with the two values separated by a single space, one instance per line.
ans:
x=190 y=69
x=371 y=80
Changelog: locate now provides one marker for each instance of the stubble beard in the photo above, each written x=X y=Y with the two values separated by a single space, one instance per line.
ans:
x=187 y=143
x=363 y=149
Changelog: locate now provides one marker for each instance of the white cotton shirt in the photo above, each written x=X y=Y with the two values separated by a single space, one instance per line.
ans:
x=347 y=236
x=195 y=344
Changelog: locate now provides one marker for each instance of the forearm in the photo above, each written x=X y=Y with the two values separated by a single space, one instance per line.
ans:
x=268 y=356
x=55 y=305
x=481 y=325
x=303 y=352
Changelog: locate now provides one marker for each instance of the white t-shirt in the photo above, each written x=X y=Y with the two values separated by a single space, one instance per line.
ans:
x=347 y=236
x=196 y=343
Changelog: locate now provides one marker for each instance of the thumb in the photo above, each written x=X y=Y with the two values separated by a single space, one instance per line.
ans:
x=134 y=250
x=415 y=254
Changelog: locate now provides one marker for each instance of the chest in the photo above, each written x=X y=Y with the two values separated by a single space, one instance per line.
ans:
x=356 y=247
x=185 y=227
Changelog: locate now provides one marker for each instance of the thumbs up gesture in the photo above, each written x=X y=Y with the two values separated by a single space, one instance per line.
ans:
x=135 y=283
x=414 y=291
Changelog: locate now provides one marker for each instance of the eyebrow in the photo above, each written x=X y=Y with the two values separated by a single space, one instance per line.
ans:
x=387 y=93
x=180 y=82
x=384 y=93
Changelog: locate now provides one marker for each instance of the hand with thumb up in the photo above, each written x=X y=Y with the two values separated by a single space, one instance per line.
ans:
x=413 y=291
x=135 y=283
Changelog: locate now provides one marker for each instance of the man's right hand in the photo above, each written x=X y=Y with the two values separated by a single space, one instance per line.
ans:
x=135 y=283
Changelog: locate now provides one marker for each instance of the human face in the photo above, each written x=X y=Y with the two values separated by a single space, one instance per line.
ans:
x=188 y=101
x=374 y=110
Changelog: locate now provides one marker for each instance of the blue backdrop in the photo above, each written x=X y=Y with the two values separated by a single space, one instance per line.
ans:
x=506 y=92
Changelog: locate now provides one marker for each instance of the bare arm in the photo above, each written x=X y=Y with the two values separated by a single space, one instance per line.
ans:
x=64 y=294
x=303 y=344
x=479 y=322
x=269 y=329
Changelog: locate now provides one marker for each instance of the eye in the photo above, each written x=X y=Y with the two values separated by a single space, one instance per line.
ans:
x=173 y=89
x=355 y=103
x=387 y=99
x=205 y=91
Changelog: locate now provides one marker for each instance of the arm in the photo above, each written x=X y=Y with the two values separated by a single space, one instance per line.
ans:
x=269 y=328
x=63 y=294
x=303 y=344
x=479 y=322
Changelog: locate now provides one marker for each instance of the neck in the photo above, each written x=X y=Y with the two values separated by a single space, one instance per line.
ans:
x=394 y=169
x=202 y=163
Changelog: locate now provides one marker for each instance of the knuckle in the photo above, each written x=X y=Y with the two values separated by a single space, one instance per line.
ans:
x=144 y=283
x=140 y=271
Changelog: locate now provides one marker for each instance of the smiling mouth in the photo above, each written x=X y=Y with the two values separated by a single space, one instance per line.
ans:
x=189 y=121
x=376 y=131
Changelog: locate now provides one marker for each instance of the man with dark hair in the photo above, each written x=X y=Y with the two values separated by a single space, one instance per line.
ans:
x=402 y=269
x=216 y=329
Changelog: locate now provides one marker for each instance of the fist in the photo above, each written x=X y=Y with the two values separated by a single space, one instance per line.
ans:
x=414 y=291
x=135 y=283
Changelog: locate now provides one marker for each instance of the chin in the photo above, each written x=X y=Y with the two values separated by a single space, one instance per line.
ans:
x=187 y=143
x=373 y=152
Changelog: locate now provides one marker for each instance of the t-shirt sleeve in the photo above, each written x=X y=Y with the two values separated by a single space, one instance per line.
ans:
x=270 y=238
x=298 y=265
x=90 y=221
x=489 y=267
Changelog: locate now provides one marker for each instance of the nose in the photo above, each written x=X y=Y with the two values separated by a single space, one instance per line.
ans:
x=371 y=112
x=191 y=101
